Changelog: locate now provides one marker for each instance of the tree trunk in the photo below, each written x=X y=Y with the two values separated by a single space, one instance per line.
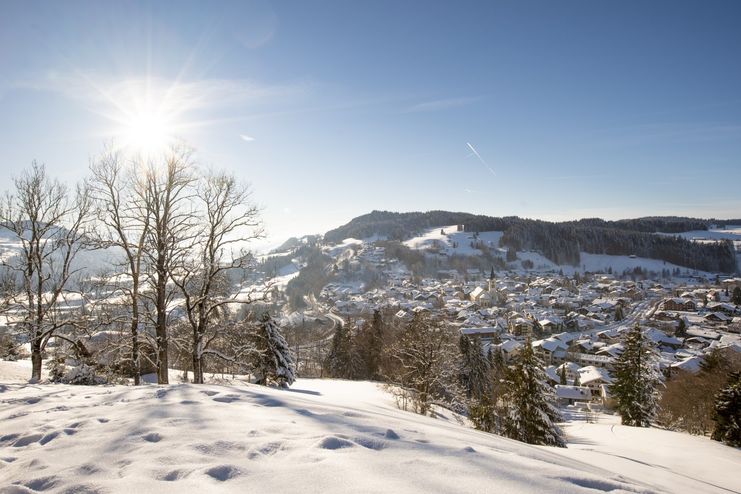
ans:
x=161 y=329
x=135 y=349
x=36 y=360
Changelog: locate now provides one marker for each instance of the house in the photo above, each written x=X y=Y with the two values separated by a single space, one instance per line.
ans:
x=550 y=350
x=594 y=378
x=486 y=334
x=678 y=303
x=569 y=395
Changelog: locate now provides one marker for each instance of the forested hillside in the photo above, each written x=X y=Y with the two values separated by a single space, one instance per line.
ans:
x=563 y=242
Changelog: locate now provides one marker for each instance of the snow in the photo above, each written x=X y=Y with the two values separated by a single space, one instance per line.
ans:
x=666 y=461
x=433 y=238
x=322 y=436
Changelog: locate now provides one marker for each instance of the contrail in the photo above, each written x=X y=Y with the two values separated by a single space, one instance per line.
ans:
x=476 y=153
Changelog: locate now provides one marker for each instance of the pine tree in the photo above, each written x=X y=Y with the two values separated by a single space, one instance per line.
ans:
x=272 y=360
x=339 y=362
x=577 y=380
x=736 y=297
x=728 y=413
x=562 y=377
x=636 y=381
x=532 y=413
x=619 y=314
x=475 y=369
x=370 y=346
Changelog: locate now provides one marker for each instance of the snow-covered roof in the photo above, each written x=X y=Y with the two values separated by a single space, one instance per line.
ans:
x=573 y=392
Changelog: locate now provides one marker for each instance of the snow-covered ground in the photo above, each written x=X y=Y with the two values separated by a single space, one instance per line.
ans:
x=320 y=436
x=450 y=241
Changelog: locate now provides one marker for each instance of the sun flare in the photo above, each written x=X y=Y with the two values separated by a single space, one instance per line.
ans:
x=147 y=132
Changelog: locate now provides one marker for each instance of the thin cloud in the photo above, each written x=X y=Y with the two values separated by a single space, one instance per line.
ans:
x=440 y=104
x=246 y=138
x=483 y=162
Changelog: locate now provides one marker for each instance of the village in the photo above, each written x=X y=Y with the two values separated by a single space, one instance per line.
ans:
x=575 y=324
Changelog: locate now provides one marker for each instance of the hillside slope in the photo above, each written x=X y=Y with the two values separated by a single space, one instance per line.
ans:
x=320 y=436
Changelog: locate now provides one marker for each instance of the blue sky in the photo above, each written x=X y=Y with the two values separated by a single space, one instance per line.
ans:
x=576 y=109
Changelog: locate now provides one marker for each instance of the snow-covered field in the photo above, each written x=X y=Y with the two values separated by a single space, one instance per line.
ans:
x=320 y=436
x=447 y=239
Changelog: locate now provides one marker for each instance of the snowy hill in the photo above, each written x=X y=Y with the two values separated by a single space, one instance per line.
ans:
x=320 y=436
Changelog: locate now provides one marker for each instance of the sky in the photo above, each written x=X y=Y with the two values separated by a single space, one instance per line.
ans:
x=332 y=109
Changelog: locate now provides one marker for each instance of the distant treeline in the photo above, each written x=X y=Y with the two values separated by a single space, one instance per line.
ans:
x=562 y=242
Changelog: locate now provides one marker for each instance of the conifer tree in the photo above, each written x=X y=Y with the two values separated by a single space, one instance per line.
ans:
x=272 y=359
x=736 y=297
x=562 y=377
x=339 y=362
x=636 y=381
x=370 y=346
x=532 y=413
x=475 y=369
x=728 y=413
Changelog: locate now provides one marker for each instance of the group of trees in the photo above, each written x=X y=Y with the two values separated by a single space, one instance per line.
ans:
x=698 y=403
x=562 y=242
x=689 y=399
x=174 y=238
x=512 y=399
x=426 y=362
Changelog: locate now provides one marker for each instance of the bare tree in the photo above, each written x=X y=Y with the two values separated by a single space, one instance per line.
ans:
x=125 y=225
x=48 y=225
x=228 y=220
x=165 y=191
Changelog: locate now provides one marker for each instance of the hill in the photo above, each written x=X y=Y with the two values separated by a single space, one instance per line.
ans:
x=563 y=243
x=320 y=436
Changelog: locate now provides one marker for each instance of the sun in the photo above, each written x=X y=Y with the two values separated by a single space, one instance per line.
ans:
x=147 y=132
x=147 y=115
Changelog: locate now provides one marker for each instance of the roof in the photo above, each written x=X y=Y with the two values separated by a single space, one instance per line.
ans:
x=591 y=373
x=573 y=392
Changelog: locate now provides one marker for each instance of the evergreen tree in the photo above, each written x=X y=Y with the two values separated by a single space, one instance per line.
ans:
x=340 y=361
x=736 y=297
x=272 y=360
x=532 y=413
x=577 y=380
x=369 y=347
x=562 y=377
x=681 y=328
x=636 y=380
x=619 y=314
x=728 y=413
x=475 y=370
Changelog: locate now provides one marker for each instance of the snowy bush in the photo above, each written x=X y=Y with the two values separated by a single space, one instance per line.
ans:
x=81 y=374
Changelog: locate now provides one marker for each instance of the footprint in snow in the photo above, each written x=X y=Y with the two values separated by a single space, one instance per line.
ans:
x=223 y=473
x=209 y=392
x=49 y=437
x=227 y=398
x=26 y=440
x=390 y=434
x=43 y=483
x=333 y=443
x=152 y=437
x=173 y=475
